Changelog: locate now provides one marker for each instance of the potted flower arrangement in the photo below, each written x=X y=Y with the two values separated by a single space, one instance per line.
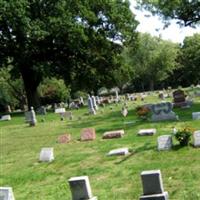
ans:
x=143 y=112
x=184 y=136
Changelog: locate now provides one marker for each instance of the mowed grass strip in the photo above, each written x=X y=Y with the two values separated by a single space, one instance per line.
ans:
x=113 y=178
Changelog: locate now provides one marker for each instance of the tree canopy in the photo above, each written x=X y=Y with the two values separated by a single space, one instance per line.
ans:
x=187 y=12
x=72 y=39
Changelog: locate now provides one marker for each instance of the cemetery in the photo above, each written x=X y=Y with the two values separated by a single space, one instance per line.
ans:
x=106 y=155
x=100 y=100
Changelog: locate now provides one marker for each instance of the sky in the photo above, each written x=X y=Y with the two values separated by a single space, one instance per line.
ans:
x=154 y=26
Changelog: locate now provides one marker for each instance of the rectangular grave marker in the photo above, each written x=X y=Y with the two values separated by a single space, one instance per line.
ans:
x=80 y=188
x=88 y=134
x=196 y=137
x=196 y=115
x=60 y=110
x=120 y=151
x=113 y=134
x=148 y=132
x=164 y=142
x=46 y=155
x=153 y=186
x=5 y=118
x=6 y=193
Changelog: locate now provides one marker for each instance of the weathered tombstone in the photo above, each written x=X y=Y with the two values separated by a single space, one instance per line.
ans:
x=6 y=193
x=42 y=110
x=60 y=111
x=88 y=134
x=163 y=111
x=153 y=186
x=94 y=103
x=5 y=118
x=46 y=155
x=196 y=115
x=120 y=151
x=90 y=106
x=116 y=96
x=124 y=111
x=196 y=137
x=113 y=134
x=66 y=138
x=179 y=98
x=146 y=132
x=164 y=142
x=80 y=188
x=33 y=119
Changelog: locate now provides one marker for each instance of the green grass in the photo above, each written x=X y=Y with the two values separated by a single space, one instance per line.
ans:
x=110 y=177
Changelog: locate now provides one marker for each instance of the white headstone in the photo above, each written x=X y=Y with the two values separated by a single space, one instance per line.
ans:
x=5 y=118
x=94 y=103
x=33 y=119
x=196 y=115
x=164 y=142
x=124 y=112
x=6 y=193
x=143 y=132
x=59 y=110
x=196 y=137
x=90 y=106
x=120 y=151
x=46 y=155
x=80 y=188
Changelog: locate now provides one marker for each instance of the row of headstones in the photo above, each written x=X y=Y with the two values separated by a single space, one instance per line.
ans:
x=164 y=142
x=80 y=188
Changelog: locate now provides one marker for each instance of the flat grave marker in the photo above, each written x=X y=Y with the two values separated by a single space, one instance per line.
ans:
x=88 y=134
x=113 y=134
x=120 y=151
x=164 y=142
x=147 y=132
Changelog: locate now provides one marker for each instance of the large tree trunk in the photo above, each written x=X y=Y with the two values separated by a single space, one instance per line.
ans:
x=151 y=85
x=31 y=82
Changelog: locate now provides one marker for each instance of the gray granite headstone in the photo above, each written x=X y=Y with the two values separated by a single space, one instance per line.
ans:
x=6 y=193
x=90 y=106
x=80 y=188
x=163 y=111
x=196 y=115
x=196 y=137
x=164 y=142
x=46 y=155
x=153 y=186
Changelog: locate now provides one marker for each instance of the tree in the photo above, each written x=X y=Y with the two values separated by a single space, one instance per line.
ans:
x=187 y=12
x=11 y=90
x=154 y=60
x=189 y=59
x=63 y=38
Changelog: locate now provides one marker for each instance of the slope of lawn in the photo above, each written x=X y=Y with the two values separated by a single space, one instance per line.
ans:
x=110 y=177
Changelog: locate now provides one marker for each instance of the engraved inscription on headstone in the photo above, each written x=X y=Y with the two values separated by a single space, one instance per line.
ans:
x=165 y=142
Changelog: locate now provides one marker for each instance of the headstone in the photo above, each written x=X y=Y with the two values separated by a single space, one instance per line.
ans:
x=196 y=137
x=46 y=155
x=164 y=142
x=88 y=134
x=116 y=96
x=80 y=188
x=152 y=186
x=124 y=112
x=163 y=111
x=90 y=106
x=196 y=115
x=94 y=103
x=120 y=151
x=42 y=110
x=60 y=110
x=6 y=193
x=113 y=134
x=161 y=95
x=33 y=119
x=5 y=118
x=179 y=98
x=27 y=117
x=147 y=132
x=66 y=138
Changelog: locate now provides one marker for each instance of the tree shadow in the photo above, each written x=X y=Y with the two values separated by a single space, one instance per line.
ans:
x=146 y=147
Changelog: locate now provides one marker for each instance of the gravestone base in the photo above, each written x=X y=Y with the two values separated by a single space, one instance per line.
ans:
x=163 y=117
x=162 y=196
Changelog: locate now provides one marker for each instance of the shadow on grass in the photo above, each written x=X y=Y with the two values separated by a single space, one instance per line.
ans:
x=145 y=147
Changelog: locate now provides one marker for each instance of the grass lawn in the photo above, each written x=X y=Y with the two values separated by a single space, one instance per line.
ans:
x=116 y=177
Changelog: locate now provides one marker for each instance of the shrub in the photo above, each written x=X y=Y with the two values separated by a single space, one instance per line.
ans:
x=184 y=136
